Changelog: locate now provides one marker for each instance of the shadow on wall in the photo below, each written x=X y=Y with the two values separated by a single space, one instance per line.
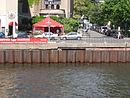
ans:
x=24 y=15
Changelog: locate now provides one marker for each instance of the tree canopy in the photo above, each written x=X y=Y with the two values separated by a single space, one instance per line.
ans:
x=116 y=11
x=81 y=7
x=31 y=2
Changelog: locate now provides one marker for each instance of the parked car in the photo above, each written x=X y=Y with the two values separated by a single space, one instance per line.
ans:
x=71 y=35
x=39 y=35
x=50 y=35
x=19 y=34
x=22 y=35
x=2 y=35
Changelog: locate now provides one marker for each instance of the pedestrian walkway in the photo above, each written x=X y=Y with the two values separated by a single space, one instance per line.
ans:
x=95 y=34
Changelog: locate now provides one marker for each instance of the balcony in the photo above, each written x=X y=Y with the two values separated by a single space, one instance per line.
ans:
x=52 y=12
x=53 y=2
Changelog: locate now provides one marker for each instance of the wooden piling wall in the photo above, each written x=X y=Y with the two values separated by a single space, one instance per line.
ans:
x=93 y=55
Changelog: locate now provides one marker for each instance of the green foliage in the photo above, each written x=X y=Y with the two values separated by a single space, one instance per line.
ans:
x=116 y=11
x=69 y=23
x=81 y=7
x=95 y=14
x=35 y=19
x=89 y=8
x=31 y=2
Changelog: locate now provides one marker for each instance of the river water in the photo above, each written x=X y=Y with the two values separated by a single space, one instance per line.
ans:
x=65 y=81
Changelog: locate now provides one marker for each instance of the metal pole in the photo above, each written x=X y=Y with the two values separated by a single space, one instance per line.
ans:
x=0 y=26
x=14 y=35
x=49 y=23
x=49 y=27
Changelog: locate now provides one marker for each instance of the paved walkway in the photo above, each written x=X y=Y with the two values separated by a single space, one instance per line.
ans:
x=91 y=33
x=96 y=40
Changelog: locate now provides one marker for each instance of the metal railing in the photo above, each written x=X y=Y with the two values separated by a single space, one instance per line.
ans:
x=95 y=40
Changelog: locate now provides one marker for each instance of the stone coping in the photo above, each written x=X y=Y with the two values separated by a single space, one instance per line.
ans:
x=63 y=45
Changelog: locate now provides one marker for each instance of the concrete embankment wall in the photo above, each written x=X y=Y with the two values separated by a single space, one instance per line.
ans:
x=65 y=55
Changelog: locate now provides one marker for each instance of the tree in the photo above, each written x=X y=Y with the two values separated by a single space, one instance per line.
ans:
x=95 y=13
x=81 y=7
x=90 y=9
x=31 y=2
x=116 y=11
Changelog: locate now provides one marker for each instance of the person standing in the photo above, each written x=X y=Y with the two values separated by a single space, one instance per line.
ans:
x=119 y=33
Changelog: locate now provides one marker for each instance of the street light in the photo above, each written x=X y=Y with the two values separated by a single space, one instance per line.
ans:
x=49 y=26
x=49 y=23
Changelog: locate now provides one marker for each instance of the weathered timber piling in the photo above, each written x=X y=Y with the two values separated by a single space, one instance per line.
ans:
x=86 y=55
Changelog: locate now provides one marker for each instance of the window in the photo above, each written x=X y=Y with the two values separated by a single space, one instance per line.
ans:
x=57 y=6
x=47 y=7
x=52 y=6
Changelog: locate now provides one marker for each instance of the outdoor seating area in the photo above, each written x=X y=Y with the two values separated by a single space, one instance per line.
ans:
x=48 y=25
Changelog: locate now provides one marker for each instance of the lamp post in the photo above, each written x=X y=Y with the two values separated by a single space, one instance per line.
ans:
x=49 y=23
x=49 y=27
x=14 y=29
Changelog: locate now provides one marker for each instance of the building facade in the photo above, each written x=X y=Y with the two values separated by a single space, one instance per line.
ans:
x=8 y=15
x=20 y=12
x=62 y=8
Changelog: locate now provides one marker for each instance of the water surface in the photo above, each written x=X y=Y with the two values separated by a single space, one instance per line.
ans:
x=65 y=81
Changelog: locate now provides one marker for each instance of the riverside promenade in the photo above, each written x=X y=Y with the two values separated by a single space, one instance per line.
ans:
x=93 y=49
x=95 y=40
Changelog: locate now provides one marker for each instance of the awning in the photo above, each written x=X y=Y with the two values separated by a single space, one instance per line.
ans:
x=47 y=22
x=11 y=24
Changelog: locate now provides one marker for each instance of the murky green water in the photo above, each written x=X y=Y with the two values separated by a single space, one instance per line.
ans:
x=65 y=81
